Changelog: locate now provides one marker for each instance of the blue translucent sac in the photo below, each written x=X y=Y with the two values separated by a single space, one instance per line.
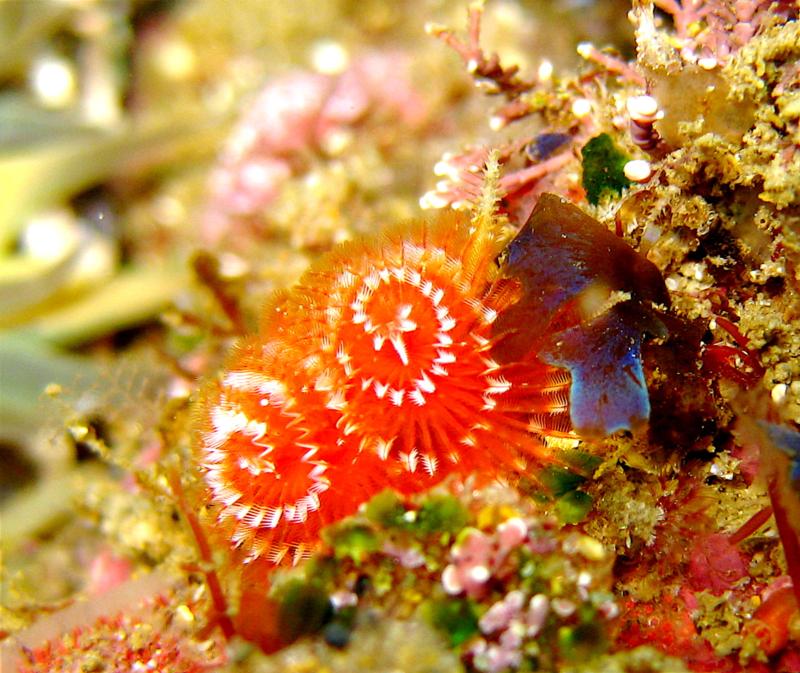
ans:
x=588 y=301
x=608 y=391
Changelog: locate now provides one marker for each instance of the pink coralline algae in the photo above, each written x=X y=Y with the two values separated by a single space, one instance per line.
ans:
x=511 y=620
x=478 y=556
x=715 y=564
x=708 y=32
x=298 y=116
x=144 y=639
x=541 y=583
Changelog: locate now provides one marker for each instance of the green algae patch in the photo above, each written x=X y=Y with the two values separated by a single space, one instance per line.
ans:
x=436 y=514
x=573 y=507
x=457 y=619
x=353 y=541
x=386 y=510
x=441 y=514
x=304 y=609
x=559 y=481
x=603 y=164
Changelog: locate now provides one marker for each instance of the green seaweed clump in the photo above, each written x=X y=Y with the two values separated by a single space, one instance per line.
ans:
x=304 y=609
x=438 y=513
x=352 y=541
x=573 y=507
x=456 y=618
x=603 y=165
